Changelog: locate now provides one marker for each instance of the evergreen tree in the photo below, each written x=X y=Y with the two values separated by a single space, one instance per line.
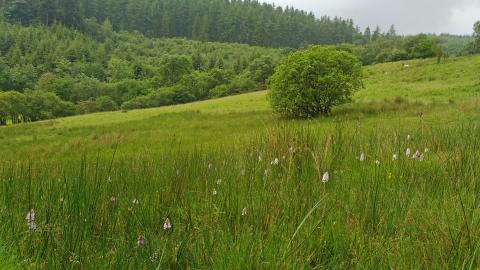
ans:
x=476 y=36
x=367 y=35
x=216 y=20
x=377 y=33
x=20 y=11
x=392 y=33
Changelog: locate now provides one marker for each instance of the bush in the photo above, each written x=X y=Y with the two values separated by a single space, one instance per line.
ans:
x=309 y=83
x=261 y=69
x=106 y=103
x=156 y=98
x=242 y=83
x=86 y=106
x=219 y=91
x=421 y=46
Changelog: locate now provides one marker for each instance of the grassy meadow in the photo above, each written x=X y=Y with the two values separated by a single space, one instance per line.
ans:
x=389 y=181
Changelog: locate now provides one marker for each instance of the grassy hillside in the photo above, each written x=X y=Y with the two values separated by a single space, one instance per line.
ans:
x=72 y=73
x=391 y=91
x=245 y=189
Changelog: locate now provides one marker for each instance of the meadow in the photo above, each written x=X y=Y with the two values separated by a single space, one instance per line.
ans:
x=390 y=180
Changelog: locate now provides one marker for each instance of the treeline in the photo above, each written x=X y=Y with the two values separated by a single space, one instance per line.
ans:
x=474 y=46
x=239 y=21
x=110 y=70
x=455 y=45
x=380 y=47
x=32 y=106
x=390 y=48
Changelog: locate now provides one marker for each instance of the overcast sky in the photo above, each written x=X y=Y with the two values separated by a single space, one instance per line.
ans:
x=408 y=16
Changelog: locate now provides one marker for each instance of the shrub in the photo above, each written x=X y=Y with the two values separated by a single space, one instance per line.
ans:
x=86 y=106
x=308 y=83
x=261 y=69
x=242 y=83
x=421 y=46
x=219 y=91
x=105 y=104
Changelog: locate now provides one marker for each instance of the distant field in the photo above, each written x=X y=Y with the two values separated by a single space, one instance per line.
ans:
x=243 y=188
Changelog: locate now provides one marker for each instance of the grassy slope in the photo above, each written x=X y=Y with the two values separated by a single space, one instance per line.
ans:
x=437 y=91
x=386 y=216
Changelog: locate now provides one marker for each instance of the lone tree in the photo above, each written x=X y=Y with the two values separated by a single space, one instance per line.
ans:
x=309 y=83
x=476 y=36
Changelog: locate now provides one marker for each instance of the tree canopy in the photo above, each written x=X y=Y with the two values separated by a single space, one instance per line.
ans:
x=241 y=21
x=88 y=73
x=309 y=83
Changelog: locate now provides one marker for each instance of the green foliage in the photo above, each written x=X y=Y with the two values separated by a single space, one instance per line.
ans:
x=20 y=11
x=124 y=67
x=174 y=68
x=81 y=175
x=307 y=84
x=119 y=70
x=261 y=69
x=421 y=46
x=32 y=106
x=474 y=46
x=476 y=35
x=105 y=103
x=454 y=45
x=389 y=47
x=208 y=20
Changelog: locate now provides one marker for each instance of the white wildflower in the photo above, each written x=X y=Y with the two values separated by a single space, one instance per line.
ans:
x=408 y=152
x=362 y=157
x=275 y=162
x=214 y=192
x=219 y=181
x=416 y=154
x=31 y=220
x=394 y=157
x=326 y=177
x=244 y=211
x=135 y=201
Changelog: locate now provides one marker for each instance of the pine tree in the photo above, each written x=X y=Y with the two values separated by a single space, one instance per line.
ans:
x=367 y=35
x=392 y=33
x=377 y=33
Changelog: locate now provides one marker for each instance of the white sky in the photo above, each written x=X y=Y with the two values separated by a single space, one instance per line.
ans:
x=408 y=16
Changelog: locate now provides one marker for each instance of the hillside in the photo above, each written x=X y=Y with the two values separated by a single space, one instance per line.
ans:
x=392 y=91
x=49 y=72
x=226 y=184
x=249 y=22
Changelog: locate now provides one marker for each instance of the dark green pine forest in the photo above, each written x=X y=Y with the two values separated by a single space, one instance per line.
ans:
x=67 y=57
x=247 y=21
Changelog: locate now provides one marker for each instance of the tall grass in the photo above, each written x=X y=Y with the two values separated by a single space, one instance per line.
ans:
x=236 y=207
